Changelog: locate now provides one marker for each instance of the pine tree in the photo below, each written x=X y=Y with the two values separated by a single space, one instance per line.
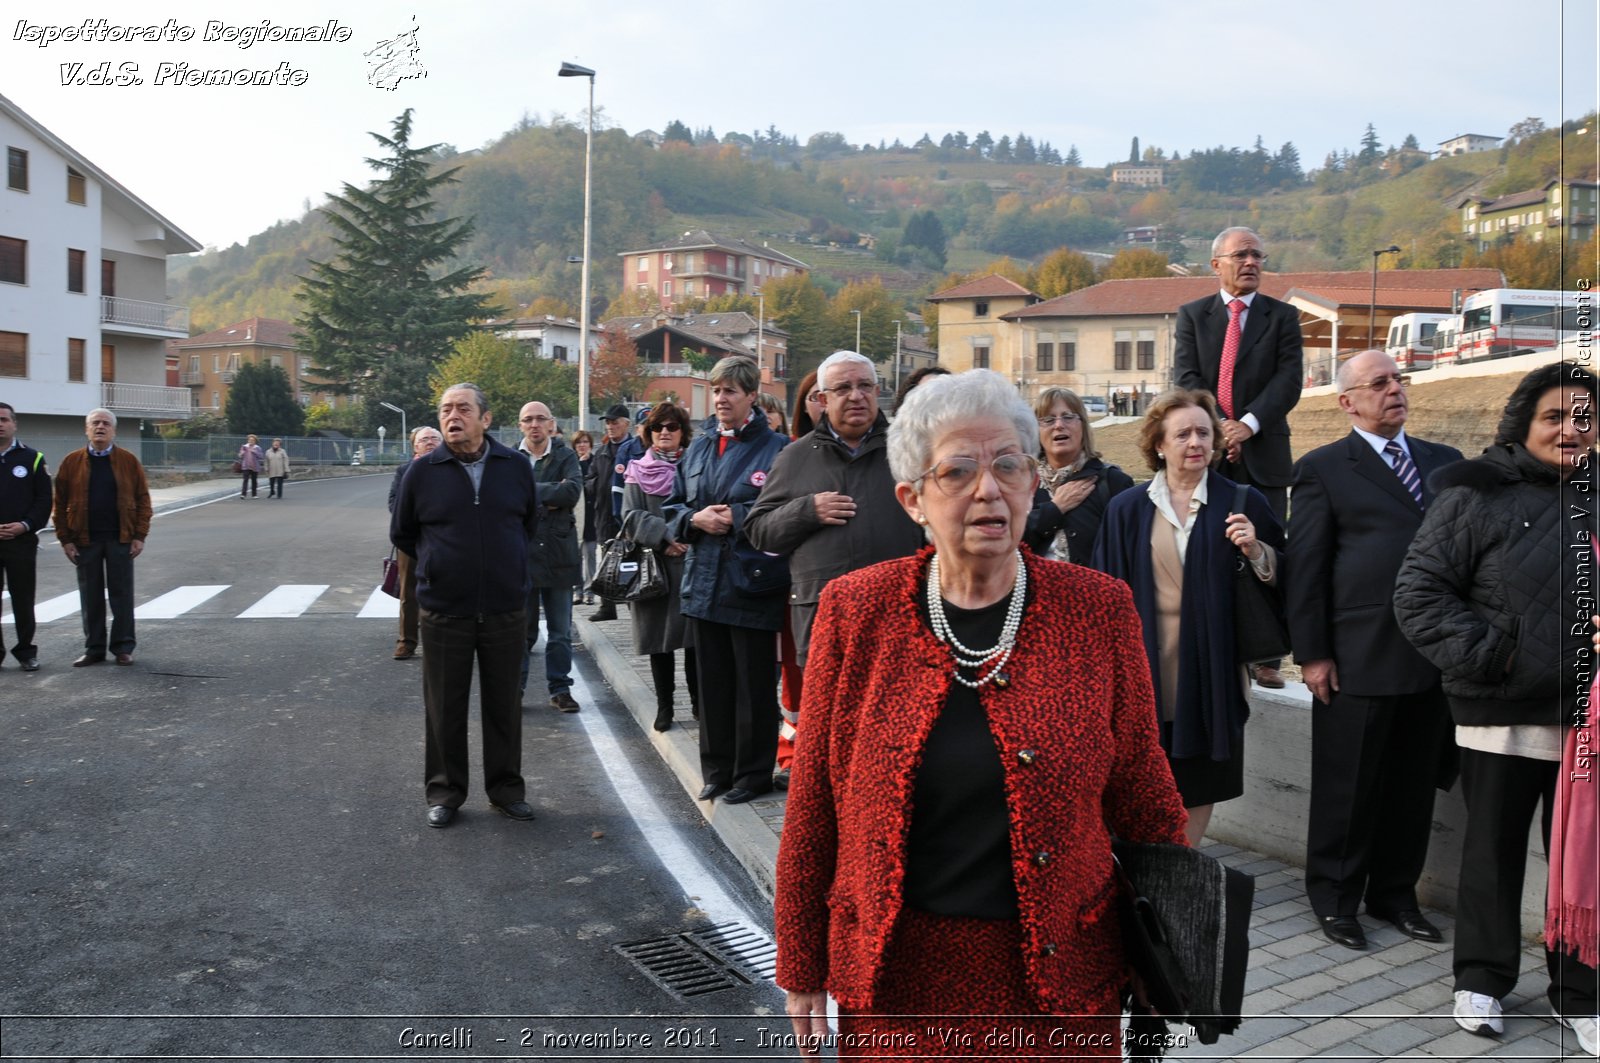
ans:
x=1073 y=158
x=1369 y=146
x=261 y=401
x=1133 y=153
x=378 y=318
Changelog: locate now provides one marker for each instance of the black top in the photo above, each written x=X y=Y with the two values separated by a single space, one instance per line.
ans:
x=958 y=853
x=103 y=523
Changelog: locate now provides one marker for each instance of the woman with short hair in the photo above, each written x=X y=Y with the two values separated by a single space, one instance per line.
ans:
x=978 y=725
x=1075 y=483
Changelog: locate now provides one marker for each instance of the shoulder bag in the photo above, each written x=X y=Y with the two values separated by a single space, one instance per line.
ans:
x=1260 y=632
x=391 y=574
x=628 y=572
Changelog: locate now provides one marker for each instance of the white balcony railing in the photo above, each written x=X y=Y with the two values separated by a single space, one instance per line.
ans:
x=136 y=313
x=151 y=399
x=673 y=369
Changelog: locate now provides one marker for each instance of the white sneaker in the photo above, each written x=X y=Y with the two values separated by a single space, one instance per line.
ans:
x=1587 y=1027
x=1479 y=1014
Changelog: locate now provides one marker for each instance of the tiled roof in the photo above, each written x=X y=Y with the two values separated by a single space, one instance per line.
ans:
x=1515 y=199
x=1163 y=295
x=700 y=239
x=721 y=343
x=723 y=323
x=266 y=331
x=992 y=286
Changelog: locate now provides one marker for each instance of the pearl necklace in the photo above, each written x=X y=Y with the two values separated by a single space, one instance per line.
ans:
x=964 y=656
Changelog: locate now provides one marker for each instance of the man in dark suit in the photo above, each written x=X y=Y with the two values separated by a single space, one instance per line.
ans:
x=1380 y=728
x=1245 y=348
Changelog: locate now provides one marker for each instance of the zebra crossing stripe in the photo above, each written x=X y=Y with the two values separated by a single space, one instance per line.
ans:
x=51 y=609
x=380 y=607
x=285 y=601
x=175 y=603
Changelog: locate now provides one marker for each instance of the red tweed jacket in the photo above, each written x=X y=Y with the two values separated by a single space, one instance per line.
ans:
x=1076 y=731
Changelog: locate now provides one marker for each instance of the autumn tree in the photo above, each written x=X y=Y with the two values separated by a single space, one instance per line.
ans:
x=378 y=318
x=1062 y=271
x=878 y=313
x=501 y=368
x=616 y=372
x=800 y=308
x=1135 y=262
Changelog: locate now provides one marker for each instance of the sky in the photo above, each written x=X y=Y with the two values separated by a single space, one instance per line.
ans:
x=223 y=162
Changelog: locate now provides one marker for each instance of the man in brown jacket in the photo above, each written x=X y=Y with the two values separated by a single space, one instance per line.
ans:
x=102 y=519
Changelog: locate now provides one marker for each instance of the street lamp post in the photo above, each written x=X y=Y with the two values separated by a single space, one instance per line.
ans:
x=857 y=313
x=403 y=433
x=1372 y=307
x=573 y=70
x=897 y=356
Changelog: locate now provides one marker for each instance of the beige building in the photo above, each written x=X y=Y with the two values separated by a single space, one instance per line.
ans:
x=207 y=363
x=1140 y=174
x=972 y=332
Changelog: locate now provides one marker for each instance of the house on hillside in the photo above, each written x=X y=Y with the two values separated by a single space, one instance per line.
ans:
x=1467 y=143
x=665 y=343
x=699 y=265
x=1557 y=210
x=207 y=363
x=1139 y=174
x=84 y=319
x=546 y=336
x=1117 y=337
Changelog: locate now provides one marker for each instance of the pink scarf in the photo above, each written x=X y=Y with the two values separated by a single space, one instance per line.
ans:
x=653 y=473
x=1574 y=890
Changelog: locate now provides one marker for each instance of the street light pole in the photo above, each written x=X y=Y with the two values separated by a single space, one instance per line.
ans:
x=403 y=433
x=857 y=313
x=1372 y=307
x=897 y=356
x=573 y=70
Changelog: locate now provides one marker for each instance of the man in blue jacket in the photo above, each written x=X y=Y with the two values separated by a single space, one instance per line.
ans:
x=466 y=512
x=24 y=509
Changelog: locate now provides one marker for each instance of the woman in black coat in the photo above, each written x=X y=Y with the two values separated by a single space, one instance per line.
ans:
x=1075 y=485
x=1492 y=592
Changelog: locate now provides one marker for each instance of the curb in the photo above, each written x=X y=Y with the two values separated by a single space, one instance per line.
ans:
x=740 y=827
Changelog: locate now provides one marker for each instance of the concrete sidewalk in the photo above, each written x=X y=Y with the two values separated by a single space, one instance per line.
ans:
x=1305 y=997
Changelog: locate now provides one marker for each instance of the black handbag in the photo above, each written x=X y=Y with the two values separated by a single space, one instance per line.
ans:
x=628 y=572
x=754 y=573
x=1260 y=631
x=1186 y=933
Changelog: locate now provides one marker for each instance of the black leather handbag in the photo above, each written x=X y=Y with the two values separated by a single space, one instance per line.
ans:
x=628 y=572
x=1260 y=631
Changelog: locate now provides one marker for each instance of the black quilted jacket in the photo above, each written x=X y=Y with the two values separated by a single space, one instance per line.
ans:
x=1497 y=587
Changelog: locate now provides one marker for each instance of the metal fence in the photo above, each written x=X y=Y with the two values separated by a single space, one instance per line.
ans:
x=217 y=453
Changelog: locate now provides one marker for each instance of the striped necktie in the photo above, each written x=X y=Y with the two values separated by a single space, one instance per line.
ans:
x=1230 y=355
x=1404 y=469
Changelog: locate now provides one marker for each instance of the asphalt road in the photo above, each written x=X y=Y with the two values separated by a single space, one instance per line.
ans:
x=229 y=834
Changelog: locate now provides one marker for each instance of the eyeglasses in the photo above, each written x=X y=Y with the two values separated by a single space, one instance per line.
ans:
x=957 y=476
x=1063 y=418
x=844 y=391
x=1382 y=383
x=1249 y=253
x=537 y=420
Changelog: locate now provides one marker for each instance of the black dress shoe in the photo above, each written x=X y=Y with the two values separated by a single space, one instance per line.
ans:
x=739 y=795
x=1411 y=923
x=440 y=815
x=514 y=809
x=1344 y=930
x=780 y=779
x=712 y=790
x=605 y=612
x=87 y=659
x=30 y=664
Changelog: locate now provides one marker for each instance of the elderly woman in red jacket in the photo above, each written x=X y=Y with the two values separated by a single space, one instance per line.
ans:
x=973 y=741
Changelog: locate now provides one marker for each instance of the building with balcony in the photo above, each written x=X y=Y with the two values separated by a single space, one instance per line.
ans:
x=679 y=350
x=1557 y=210
x=698 y=265
x=555 y=339
x=1467 y=143
x=84 y=319
x=207 y=363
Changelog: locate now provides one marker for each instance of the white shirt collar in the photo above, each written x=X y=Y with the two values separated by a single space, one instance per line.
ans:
x=1377 y=442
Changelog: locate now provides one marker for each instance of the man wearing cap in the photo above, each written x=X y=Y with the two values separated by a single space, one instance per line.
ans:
x=630 y=449
x=24 y=509
x=607 y=524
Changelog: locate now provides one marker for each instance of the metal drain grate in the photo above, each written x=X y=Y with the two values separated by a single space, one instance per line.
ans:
x=709 y=960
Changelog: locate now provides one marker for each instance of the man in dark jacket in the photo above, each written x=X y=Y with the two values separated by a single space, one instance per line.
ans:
x=554 y=564
x=466 y=512
x=829 y=502
x=424 y=440
x=24 y=509
x=601 y=469
x=1380 y=728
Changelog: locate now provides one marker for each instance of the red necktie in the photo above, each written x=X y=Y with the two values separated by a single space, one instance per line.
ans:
x=1230 y=354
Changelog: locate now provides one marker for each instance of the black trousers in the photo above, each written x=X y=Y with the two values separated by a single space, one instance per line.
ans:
x=19 y=567
x=450 y=645
x=738 y=674
x=248 y=483
x=664 y=674
x=275 y=485
x=1501 y=793
x=1375 y=763
x=105 y=569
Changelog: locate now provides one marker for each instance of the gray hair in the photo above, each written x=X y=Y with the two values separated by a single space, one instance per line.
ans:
x=945 y=402
x=101 y=409
x=477 y=394
x=416 y=433
x=1342 y=379
x=843 y=358
x=1222 y=238
x=739 y=370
